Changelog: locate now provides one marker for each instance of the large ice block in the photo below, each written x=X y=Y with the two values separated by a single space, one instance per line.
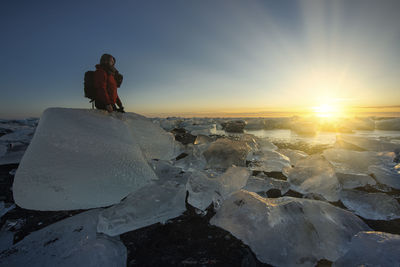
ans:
x=288 y=231
x=81 y=159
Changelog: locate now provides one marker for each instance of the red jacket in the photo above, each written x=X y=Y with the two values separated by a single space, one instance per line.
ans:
x=106 y=87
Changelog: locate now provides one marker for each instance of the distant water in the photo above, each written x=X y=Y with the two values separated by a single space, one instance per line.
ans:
x=288 y=136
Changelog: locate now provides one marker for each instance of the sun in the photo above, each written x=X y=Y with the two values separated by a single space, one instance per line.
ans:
x=327 y=111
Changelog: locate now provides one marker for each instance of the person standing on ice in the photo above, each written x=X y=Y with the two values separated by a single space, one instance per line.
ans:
x=106 y=81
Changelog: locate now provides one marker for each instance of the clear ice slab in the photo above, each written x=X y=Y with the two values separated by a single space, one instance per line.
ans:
x=288 y=231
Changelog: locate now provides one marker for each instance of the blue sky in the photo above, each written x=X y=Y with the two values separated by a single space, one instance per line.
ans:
x=181 y=57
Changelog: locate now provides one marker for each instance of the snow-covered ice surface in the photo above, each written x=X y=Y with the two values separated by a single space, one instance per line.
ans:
x=70 y=242
x=374 y=206
x=288 y=231
x=372 y=249
x=82 y=159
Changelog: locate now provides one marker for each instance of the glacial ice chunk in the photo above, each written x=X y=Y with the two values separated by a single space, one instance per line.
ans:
x=266 y=145
x=369 y=143
x=70 y=242
x=355 y=162
x=81 y=159
x=165 y=171
x=151 y=204
x=202 y=189
x=255 y=124
x=314 y=174
x=169 y=124
x=389 y=125
x=21 y=135
x=304 y=127
x=154 y=142
x=233 y=179
x=223 y=153
x=268 y=161
x=263 y=184
x=350 y=181
x=388 y=174
x=288 y=231
x=293 y=155
x=374 y=206
x=3 y=150
x=372 y=249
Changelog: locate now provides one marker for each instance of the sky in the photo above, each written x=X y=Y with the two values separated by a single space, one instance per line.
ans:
x=203 y=58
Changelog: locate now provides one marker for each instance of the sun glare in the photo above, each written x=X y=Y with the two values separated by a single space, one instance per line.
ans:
x=326 y=111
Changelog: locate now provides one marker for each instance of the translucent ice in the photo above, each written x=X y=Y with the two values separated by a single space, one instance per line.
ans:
x=304 y=127
x=202 y=189
x=368 y=143
x=169 y=123
x=224 y=153
x=232 y=180
x=12 y=157
x=21 y=135
x=374 y=206
x=288 y=231
x=154 y=142
x=269 y=161
x=261 y=183
x=348 y=161
x=3 y=149
x=80 y=159
x=70 y=242
x=266 y=145
x=255 y=124
x=388 y=174
x=165 y=171
x=151 y=204
x=372 y=249
x=314 y=174
x=293 y=155
x=349 y=181
x=390 y=124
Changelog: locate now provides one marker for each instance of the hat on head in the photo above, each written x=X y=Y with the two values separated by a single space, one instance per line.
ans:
x=105 y=57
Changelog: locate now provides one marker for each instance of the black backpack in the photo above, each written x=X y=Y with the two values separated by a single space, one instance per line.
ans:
x=88 y=85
